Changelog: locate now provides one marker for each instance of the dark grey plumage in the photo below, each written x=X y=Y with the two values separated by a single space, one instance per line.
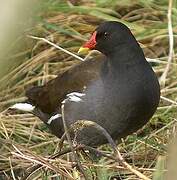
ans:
x=121 y=99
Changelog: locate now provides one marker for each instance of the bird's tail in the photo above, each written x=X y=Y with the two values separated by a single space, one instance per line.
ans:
x=27 y=107
x=54 y=122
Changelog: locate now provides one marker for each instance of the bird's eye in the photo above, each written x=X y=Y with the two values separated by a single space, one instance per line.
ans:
x=105 y=34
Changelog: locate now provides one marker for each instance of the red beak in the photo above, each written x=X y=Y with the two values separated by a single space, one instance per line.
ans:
x=89 y=45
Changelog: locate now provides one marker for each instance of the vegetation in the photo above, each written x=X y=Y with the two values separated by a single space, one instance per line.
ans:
x=25 y=141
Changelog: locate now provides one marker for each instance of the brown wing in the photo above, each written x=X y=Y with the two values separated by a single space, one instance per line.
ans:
x=49 y=97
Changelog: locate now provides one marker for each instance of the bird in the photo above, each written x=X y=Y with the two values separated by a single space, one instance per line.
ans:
x=119 y=90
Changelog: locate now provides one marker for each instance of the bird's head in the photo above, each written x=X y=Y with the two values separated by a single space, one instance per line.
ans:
x=107 y=37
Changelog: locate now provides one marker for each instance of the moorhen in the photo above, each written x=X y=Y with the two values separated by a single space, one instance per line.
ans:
x=120 y=91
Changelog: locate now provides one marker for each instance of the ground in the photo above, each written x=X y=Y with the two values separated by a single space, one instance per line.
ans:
x=25 y=141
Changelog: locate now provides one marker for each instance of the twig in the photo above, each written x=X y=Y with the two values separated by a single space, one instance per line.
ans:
x=40 y=161
x=166 y=107
x=171 y=44
x=168 y=100
x=33 y=158
x=43 y=163
x=98 y=152
x=58 y=47
x=118 y=157
x=75 y=156
x=156 y=61
x=11 y=169
x=39 y=166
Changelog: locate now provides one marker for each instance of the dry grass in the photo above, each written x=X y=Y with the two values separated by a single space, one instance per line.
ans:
x=25 y=141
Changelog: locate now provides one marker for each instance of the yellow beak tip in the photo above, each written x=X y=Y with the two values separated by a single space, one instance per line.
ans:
x=83 y=50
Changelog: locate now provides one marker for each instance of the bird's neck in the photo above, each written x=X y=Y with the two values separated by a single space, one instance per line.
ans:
x=122 y=61
x=127 y=55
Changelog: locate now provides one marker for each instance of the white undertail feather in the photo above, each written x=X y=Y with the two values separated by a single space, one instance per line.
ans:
x=23 y=107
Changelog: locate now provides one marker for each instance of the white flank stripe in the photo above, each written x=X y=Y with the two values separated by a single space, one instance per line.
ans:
x=53 y=118
x=74 y=99
x=76 y=94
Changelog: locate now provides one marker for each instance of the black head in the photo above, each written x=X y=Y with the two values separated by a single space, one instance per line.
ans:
x=109 y=36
